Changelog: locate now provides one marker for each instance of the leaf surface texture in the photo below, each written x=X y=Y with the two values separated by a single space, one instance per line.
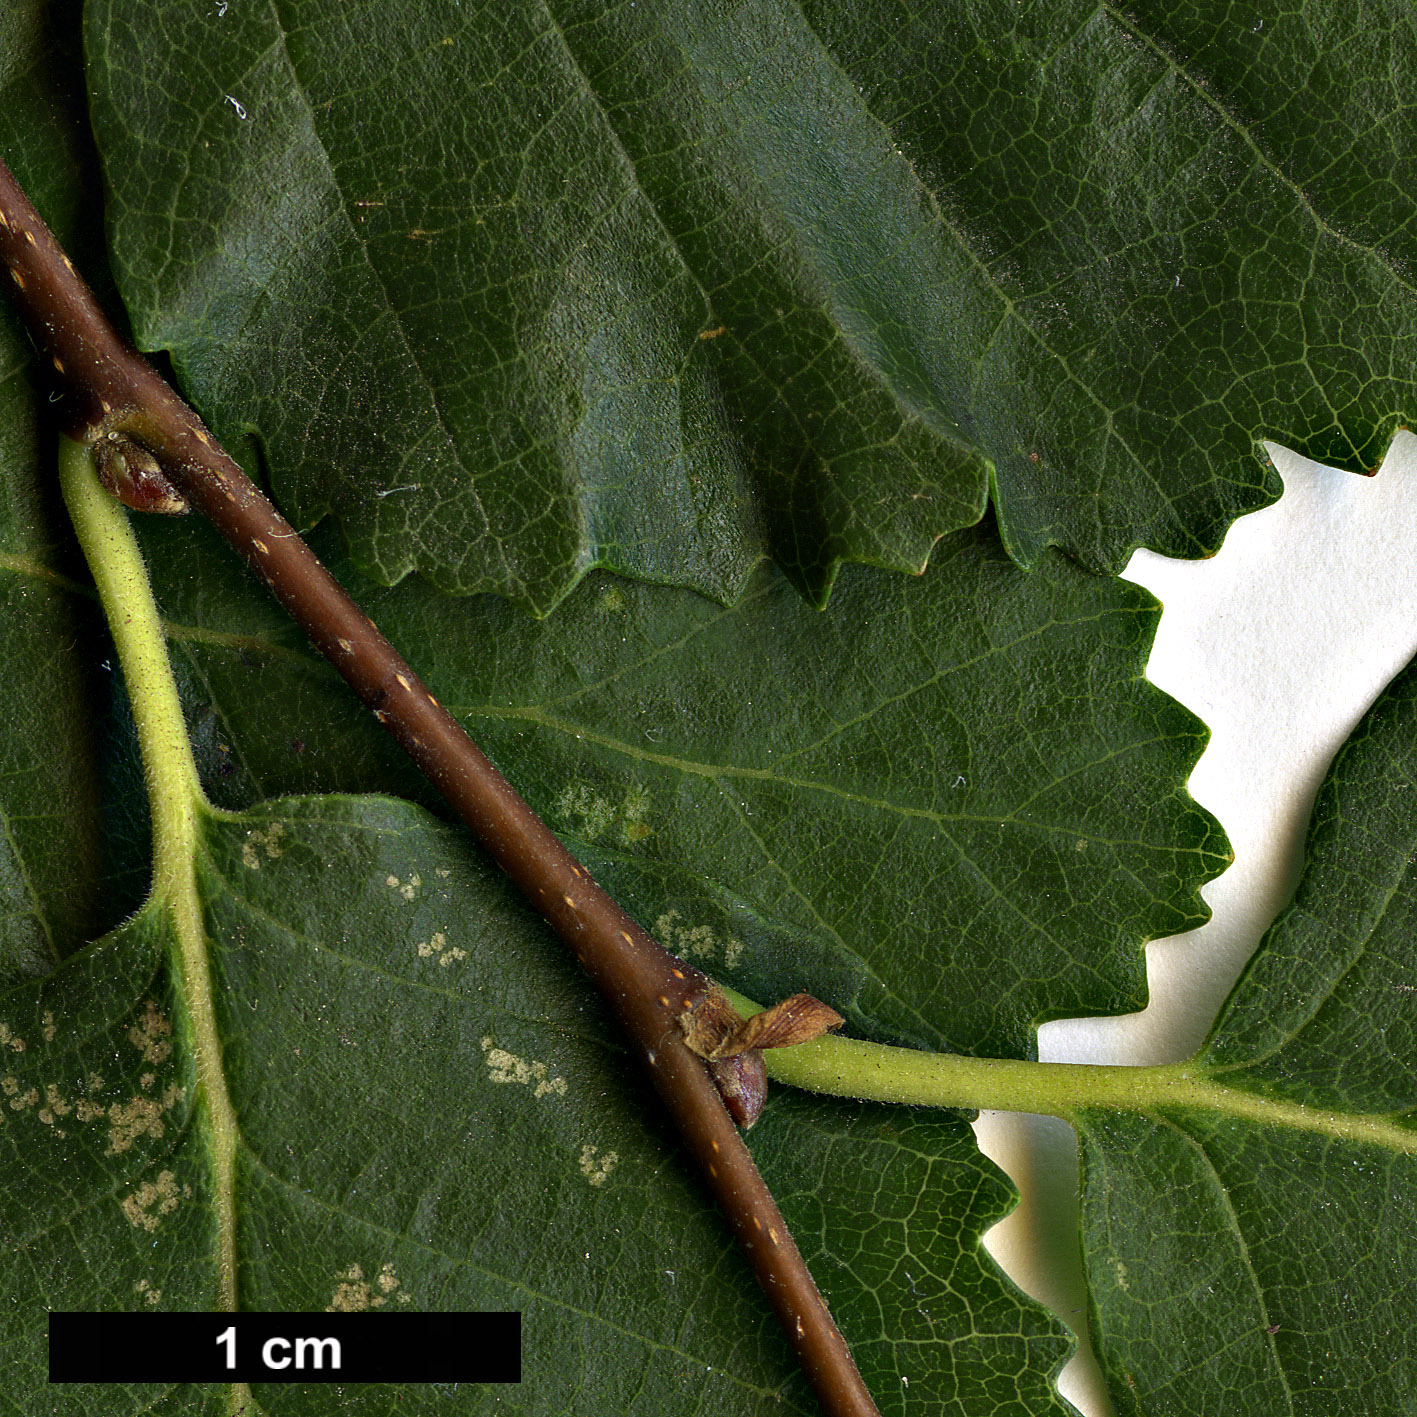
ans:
x=1279 y=1281
x=669 y=288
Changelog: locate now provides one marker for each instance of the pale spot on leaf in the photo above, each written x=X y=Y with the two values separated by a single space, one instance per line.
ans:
x=146 y=1207
x=139 y=1117
x=55 y=1105
x=596 y=1165
x=591 y=814
x=407 y=889
x=353 y=1294
x=505 y=1067
x=152 y=1034
x=695 y=941
x=256 y=840
x=633 y=827
x=438 y=948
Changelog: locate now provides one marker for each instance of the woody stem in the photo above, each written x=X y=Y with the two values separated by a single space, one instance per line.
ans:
x=107 y=387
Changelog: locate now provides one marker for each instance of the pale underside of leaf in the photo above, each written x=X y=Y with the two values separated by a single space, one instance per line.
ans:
x=334 y=1063
x=417 y=1127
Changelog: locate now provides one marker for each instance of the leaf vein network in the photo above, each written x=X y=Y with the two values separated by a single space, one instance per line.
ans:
x=910 y=1007
x=1130 y=26
x=632 y=169
x=1222 y=1196
x=1007 y=301
x=716 y=771
x=461 y=1262
x=415 y=363
x=1323 y=997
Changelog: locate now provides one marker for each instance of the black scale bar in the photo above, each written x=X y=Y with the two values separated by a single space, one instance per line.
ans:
x=285 y=1348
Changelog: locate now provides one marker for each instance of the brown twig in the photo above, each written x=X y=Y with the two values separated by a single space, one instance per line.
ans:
x=151 y=443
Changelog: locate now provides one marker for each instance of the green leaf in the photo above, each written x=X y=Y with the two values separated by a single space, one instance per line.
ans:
x=335 y=1061
x=49 y=900
x=381 y=1027
x=667 y=287
x=1253 y=1251
x=1037 y=250
x=432 y=1112
x=951 y=806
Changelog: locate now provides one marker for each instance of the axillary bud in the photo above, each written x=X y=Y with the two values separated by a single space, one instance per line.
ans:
x=130 y=472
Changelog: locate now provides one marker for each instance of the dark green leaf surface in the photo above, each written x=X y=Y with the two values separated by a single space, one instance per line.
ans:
x=355 y=982
x=522 y=289
x=668 y=289
x=48 y=786
x=1264 y=1264
x=433 y=1113
x=950 y=805
x=48 y=772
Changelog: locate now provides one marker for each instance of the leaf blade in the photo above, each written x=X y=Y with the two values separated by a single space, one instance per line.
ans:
x=50 y=755
x=881 y=835
x=813 y=298
x=1299 y=1173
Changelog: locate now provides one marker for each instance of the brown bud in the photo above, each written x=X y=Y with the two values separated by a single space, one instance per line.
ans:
x=710 y=1024
x=131 y=473
x=713 y=1028
x=732 y=1046
x=742 y=1082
